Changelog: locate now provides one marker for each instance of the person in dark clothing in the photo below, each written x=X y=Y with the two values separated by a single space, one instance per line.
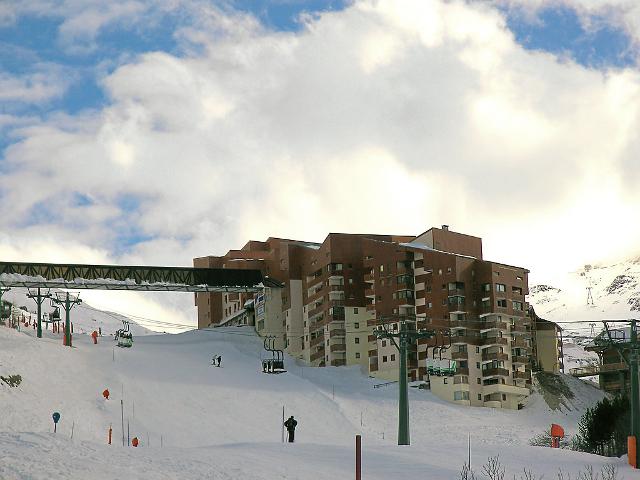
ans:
x=291 y=427
x=219 y=359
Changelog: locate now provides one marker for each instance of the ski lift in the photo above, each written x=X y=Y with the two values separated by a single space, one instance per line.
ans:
x=275 y=364
x=123 y=336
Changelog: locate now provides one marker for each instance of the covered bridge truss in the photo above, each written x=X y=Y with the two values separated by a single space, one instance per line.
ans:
x=115 y=277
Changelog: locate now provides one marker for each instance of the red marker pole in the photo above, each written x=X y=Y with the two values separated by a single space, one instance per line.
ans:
x=358 y=457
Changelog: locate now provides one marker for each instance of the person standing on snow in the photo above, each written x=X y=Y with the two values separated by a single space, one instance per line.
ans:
x=213 y=360
x=219 y=359
x=291 y=427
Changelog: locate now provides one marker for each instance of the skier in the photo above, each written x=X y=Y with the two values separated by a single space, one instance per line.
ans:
x=213 y=360
x=291 y=427
x=219 y=359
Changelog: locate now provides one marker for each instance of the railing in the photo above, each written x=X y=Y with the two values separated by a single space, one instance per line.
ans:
x=518 y=342
x=338 y=332
x=459 y=355
x=462 y=371
x=495 y=371
x=338 y=347
x=314 y=311
x=493 y=341
x=495 y=356
x=386 y=384
x=597 y=369
x=494 y=324
x=519 y=359
x=316 y=341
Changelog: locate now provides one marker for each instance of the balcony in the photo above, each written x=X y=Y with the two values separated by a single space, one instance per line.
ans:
x=317 y=356
x=338 y=332
x=504 y=388
x=493 y=341
x=465 y=339
x=338 y=347
x=520 y=343
x=316 y=310
x=456 y=303
x=494 y=325
x=494 y=356
x=597 y=369
x=369 y=277
x=338 y=362
x=519 y=360
x=459 y=355
x=522 y=375
x=369 y=292
x=316 y=341
x=519 y=328
x=462 y=371
x=490 y=372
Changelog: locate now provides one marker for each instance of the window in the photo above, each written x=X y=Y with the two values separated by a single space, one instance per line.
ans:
x=355 y=311
x=357 y=354
x=384 y=343
x=502 y=303
x=384 y=358
x=445 y=380
x=428 y=288
x=381 y=268
x=517 y=305
x=477 y=364
x=504 y=397
x=448 y=269
x=461 y=395
x=477 y=349
x=351 y=281
x=501 y=287
x=479 y=397
x=478 y=380
x=357 y=340
x=356 y=325
x=439 y=271
x=516 y=290
x=429 y=305
x=393 y=357
x=486 y=287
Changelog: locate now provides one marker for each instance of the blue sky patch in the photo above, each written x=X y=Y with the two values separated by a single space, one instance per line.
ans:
x=558 y=30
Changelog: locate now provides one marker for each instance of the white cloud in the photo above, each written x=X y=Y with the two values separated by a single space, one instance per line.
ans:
x=373 y=119
x=44 y=84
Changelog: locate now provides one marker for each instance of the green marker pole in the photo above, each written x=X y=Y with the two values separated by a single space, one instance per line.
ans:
x=403 y=394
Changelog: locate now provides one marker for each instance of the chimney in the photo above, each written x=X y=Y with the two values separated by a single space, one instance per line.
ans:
x=445 y=228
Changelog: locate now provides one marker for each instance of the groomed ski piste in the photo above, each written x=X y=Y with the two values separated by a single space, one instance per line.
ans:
x=196 y=421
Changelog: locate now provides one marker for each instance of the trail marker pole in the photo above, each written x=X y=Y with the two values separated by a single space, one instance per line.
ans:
x=358 y=457
x=283 y=424
x=73 y=426
x=122 y=417
x=56 y=419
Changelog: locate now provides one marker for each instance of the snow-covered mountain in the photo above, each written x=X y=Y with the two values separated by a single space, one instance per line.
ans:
x=590 y=294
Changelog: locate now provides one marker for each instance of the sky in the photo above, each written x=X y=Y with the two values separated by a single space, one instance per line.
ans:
x=154 y=131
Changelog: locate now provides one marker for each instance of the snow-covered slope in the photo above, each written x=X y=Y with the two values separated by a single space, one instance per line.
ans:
x=85 y=318
x=226 y=422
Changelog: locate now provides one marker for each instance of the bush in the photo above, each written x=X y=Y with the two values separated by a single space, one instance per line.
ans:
x=12 y=380
x=603 y=429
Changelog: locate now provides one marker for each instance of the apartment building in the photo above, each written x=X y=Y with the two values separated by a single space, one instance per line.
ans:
x=336 y=292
